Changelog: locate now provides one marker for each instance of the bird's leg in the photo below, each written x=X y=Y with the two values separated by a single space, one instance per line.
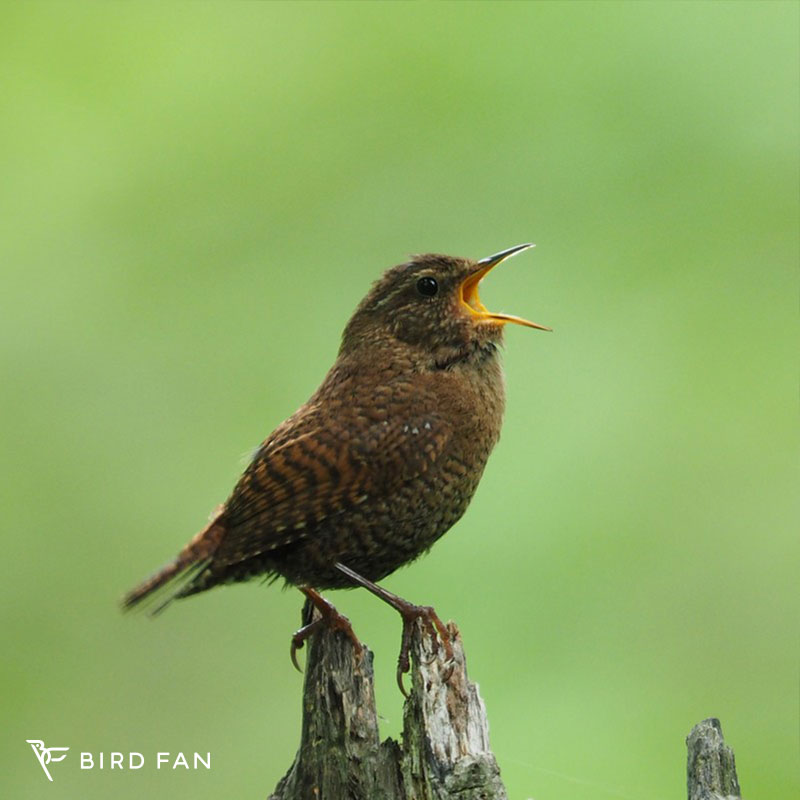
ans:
x=328 y=616
x=410 y=613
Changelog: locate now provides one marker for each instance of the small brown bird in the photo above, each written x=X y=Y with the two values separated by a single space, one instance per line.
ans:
x=379 y=463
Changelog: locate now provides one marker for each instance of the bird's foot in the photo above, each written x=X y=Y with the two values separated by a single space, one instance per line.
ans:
x=410 y=614
x=329 y=617
x=433 y=626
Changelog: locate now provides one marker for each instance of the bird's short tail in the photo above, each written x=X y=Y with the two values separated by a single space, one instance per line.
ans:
x=171 y=580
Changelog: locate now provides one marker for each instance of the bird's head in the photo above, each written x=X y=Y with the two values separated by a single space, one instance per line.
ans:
x=430 y=308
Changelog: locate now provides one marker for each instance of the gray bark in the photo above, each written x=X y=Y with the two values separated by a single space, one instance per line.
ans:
x=710 y=769
x=445 y=751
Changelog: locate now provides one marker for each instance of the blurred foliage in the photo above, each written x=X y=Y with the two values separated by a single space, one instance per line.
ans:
x=194 y=198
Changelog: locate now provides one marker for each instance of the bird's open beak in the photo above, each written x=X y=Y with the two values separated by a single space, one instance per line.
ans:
x=469 y=290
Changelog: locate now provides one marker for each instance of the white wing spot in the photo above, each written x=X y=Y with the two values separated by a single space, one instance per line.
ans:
x=427 y=426
x=415 y=431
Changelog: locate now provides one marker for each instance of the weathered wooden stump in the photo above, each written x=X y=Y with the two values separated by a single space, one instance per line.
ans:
x=444 y=752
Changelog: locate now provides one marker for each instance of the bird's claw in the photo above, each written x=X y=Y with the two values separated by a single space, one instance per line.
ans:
x=299 y=640
x=436 y=630
x=293 y=655
x=329 y=617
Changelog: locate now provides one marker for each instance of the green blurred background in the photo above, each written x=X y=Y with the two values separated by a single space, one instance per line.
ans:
x=194 y=198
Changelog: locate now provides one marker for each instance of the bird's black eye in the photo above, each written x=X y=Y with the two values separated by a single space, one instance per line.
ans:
x=427 y=286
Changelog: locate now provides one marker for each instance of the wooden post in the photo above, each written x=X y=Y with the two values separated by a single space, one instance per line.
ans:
x=710 y=769
x=444 y=753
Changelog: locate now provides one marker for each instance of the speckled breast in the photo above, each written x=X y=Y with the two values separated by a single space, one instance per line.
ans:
x=387 y=530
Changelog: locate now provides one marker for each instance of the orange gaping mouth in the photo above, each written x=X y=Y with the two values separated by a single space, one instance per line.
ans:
x=471 y=301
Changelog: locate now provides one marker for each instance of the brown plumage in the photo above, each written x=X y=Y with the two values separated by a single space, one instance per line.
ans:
x=383 y=458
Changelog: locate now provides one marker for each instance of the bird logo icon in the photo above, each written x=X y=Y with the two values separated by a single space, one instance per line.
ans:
x=47 y=755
